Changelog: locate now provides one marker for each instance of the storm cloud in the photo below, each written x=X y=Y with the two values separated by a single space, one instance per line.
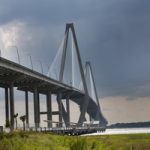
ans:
x=114 y=35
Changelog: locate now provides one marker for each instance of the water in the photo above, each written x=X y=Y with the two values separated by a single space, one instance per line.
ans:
x=123 y=131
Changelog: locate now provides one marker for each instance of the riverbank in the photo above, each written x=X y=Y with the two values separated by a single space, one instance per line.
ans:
x=117 y=131
x=46 y=141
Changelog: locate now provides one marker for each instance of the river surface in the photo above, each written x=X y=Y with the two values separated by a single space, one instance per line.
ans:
x=123 y=131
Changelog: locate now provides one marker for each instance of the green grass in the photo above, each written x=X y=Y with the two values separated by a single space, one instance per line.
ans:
x=42 y=141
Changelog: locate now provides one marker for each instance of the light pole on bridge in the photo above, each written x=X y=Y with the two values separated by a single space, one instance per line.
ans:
x=17 y=53
x=31 y=61
x=41 y=66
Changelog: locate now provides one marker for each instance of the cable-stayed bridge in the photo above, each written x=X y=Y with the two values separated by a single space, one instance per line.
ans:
x=66 y=79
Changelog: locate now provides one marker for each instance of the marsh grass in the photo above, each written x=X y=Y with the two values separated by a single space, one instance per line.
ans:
x=43 y=141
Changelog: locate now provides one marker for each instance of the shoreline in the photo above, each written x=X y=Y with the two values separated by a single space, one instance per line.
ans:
x=119 y=131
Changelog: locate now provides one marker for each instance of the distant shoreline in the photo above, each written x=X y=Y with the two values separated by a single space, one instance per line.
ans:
x=130 y=125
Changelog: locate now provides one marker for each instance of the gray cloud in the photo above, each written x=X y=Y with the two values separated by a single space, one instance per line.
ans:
x=113 y=35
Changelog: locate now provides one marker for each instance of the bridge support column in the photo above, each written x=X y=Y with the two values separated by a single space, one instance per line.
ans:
x=68 y=111
x=11 y=106
x=60 y=108
x=6 y=107
x=49 y=109
x=38 y=103
x=36 y=119
x=27 y=108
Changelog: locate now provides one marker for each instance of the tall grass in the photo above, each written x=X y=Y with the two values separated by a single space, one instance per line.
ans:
x=42 y=141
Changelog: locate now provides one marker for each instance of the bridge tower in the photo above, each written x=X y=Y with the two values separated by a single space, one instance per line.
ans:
x=61 y=57
x=85 y=99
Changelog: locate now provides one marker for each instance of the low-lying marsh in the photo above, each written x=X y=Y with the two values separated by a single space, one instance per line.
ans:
x=47 y=141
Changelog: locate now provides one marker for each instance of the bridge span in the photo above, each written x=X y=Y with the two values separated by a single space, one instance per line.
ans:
x=27 y=80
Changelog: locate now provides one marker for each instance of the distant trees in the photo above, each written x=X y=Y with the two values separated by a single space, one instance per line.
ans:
x=23 y=118
x=8 y=123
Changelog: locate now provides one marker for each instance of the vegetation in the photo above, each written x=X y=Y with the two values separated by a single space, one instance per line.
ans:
x=42 y=141
x=130 y=125
x=23 y=119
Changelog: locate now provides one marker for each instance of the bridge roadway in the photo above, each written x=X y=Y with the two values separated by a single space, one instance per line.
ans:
x=15 y=75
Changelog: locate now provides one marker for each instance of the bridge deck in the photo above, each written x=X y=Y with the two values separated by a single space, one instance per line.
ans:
x=26 y=79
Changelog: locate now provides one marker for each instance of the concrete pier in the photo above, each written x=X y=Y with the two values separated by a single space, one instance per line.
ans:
x=68 y=111
x=59 y=107
x=27 y=108
x=11 y=94
x=49 y=109
x=35 y=97
x=6 y=106
x=38 y=108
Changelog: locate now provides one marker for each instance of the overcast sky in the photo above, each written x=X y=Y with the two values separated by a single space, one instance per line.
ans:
x=113 y=34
